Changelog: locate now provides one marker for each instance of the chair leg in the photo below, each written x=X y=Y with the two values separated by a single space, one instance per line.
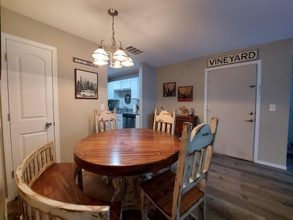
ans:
x=121 y=215
x=108 y=181
x=146 y=206
x=78 y=174
x=202 y=210
x=119 y=188
x=144 y=214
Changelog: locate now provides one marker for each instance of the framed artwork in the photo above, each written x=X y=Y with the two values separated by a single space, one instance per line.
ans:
x=185 y=93
x=86 y=84
x=169 y=89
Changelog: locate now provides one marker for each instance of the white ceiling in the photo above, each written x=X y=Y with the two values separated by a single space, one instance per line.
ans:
x=167 y=31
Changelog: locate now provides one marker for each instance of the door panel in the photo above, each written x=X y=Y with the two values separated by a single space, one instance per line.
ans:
x=32 y=80
x=231 y=97
x=30 y=89
x=29 y=141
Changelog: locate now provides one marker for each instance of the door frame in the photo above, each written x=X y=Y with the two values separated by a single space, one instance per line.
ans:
x=10 y=183
x=257 y=100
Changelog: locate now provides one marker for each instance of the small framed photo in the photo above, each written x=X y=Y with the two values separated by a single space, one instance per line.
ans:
x=169 y=89
x=185 y=93
x=86 y=84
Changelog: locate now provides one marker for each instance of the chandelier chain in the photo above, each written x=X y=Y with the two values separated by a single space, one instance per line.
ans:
x=113 y=32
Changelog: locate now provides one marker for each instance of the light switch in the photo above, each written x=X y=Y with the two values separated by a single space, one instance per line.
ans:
x=272 y=107
x=102 y=106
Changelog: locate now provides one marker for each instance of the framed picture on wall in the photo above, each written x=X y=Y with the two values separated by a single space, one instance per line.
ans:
x=185 y=93
x=169 y=89
x=86 y=84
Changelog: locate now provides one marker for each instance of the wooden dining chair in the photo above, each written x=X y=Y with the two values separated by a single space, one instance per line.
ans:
x=105 y=120
x=164 y=121
x=178 y=195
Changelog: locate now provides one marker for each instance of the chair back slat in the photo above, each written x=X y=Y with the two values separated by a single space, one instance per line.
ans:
x=107 y=125
x=168 y=127
x=105 y=120
x=164 y=121
x=102 y=126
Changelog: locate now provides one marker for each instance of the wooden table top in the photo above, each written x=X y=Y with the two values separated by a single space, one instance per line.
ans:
x=125 y=152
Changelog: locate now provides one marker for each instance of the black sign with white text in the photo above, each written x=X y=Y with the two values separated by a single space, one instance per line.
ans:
x=84 y=62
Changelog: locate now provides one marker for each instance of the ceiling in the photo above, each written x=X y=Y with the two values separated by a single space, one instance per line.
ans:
x=167 y=31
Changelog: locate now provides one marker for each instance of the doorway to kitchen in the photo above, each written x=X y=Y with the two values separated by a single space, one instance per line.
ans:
x=232 y=94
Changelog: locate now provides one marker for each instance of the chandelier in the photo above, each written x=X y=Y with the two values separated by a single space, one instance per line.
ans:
x=115 y=53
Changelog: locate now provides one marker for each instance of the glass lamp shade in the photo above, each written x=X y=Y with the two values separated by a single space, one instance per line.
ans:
x=127 y=63
x=100 y=54
x=120 y=55
x=115 y=64
x=100 y=62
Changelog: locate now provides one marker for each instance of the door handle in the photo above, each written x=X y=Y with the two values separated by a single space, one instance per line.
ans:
x=249 y=120
x=48 y=124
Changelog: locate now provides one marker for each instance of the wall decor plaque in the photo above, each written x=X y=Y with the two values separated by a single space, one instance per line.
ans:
x=185 y=93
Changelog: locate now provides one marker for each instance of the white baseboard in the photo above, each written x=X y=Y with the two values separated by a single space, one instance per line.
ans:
x=271 y=164
x=6 y=209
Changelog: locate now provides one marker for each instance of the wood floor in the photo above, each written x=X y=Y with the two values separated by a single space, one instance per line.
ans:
x=239 y=189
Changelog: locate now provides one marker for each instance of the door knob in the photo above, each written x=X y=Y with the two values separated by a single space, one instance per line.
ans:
x=48 y=124
x=250 y=113
x=249 y=120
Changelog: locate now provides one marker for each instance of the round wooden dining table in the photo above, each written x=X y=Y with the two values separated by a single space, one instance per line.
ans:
x=126 y=152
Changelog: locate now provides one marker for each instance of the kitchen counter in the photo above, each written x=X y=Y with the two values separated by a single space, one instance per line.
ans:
x=123 y=111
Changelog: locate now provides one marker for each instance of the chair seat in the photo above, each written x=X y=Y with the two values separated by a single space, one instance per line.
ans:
x=160 y=190
x=58 y=183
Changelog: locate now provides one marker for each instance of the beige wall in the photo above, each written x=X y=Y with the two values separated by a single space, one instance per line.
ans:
x=75 y=115
x=276 y=82
x=2 y=179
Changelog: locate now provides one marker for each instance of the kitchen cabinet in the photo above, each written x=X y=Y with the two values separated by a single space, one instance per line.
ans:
x=121 y=84
x=134 y=88
x=137 y=124
x=125 y=84
x=119 y=121
x=110 y=90
x=116 y=85
x=180 y=119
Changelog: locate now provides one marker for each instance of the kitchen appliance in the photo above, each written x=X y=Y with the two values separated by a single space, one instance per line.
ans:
x=128 y=120
x=135 y=108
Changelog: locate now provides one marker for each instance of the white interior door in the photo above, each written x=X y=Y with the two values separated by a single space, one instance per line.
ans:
x=30 y=89
x=231 y=96
x=30 y=98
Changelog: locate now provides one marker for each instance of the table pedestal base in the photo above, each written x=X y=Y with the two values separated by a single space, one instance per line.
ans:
x=127 y=190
